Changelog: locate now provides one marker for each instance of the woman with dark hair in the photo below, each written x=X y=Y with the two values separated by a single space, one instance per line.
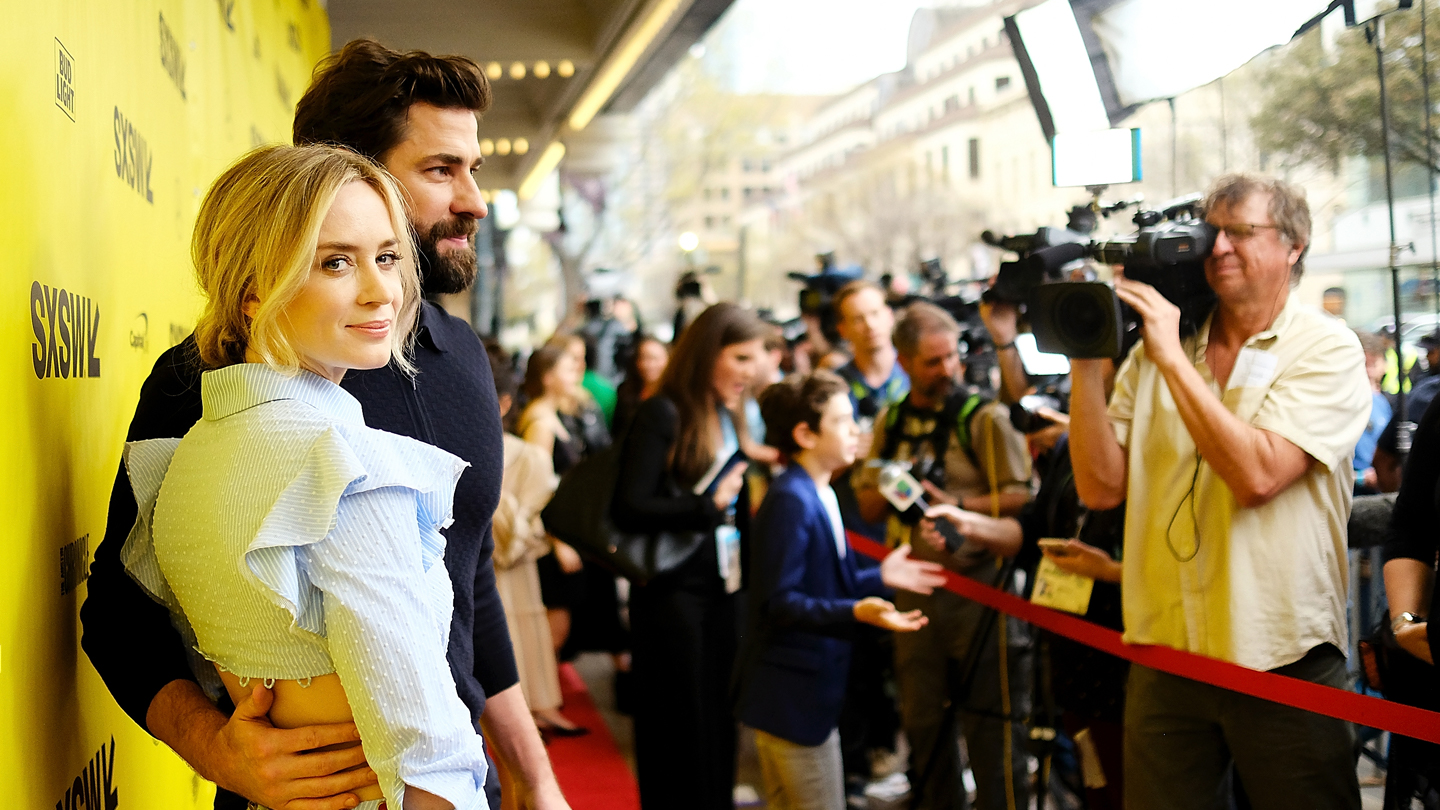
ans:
x=642 y=378
x=676 y=476
x=551 y=377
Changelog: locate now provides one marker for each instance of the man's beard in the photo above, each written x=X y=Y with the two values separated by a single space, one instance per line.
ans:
x=450 y=272
x=940 y=389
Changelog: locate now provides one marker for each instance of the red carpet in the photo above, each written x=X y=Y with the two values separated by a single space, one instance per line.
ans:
x=591 y=770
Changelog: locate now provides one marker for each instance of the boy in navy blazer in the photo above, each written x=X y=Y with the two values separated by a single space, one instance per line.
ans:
x=806 y=592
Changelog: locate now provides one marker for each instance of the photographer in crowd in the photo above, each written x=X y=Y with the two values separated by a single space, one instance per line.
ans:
x=965 y=453
x=875 y=381
x=1231 y=448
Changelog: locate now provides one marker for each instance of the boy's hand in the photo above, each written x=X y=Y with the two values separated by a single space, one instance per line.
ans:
x=898 y=571
x=882 y=614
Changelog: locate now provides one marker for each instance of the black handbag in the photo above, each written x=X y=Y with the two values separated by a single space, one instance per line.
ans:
x=1393 y=672
x=579 y=514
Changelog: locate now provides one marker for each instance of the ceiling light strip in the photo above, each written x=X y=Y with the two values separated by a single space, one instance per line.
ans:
x=542 y=168
x=621 y=60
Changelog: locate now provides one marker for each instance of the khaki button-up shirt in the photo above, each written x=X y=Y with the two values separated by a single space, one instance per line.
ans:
x=1258 y=586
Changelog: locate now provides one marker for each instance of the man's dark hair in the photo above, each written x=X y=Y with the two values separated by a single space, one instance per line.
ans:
x=794 y=400
x=360 y=96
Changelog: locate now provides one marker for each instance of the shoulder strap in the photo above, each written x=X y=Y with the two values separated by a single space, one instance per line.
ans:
x=892 y=418
x=972 y=403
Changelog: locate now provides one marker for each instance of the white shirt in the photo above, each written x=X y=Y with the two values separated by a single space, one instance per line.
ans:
x=832 y=509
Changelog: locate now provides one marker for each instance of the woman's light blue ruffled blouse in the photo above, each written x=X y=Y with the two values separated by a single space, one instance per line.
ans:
x=289 y=541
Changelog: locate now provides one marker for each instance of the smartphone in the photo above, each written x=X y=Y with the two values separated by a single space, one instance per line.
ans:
x=1060 y=548
x=739 y=459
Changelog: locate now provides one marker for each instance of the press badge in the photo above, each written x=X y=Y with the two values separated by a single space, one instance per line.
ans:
x=1057 y=588
x=727 y=549
x=1254 y=368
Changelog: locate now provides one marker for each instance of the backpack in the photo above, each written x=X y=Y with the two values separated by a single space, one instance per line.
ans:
x=960 y=408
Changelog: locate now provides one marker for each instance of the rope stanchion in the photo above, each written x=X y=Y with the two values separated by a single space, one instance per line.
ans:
x=1397 y=718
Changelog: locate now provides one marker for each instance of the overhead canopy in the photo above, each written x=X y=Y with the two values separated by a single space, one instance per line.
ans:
x=554 y=64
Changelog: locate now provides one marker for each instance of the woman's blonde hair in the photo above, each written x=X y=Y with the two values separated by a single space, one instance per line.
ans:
x=256 y=236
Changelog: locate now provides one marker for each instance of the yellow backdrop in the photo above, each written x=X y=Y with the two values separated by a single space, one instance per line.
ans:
x=116 y=116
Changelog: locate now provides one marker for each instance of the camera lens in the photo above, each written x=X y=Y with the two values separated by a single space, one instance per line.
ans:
x=1080 y=318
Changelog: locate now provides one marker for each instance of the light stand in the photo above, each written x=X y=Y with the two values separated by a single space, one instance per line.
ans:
x=1429 y=161
x=1375 y=33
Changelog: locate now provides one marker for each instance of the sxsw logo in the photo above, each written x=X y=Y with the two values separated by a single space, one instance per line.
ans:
x=133 y=158
x=94 y=788
x=74 y=564
x=66 y=326
x=172 y=58
x=64 y=81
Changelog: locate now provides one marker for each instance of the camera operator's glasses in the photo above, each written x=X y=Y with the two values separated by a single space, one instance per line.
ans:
x=1241 y=231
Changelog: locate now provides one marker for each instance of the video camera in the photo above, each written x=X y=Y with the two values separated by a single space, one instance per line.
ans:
x=819 y=290
x=1085 y=318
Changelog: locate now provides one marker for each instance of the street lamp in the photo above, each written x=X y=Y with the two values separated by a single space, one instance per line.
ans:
x=689 y=241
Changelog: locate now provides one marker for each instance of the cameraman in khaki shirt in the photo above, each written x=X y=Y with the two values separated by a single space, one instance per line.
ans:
x=1233 y=449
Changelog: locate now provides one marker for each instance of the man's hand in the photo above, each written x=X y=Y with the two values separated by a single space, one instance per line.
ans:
x=1161 y=322
x=1000 y=321
x=898 y=571
x=882 y=614
x=526 y=779
x=1085 y=560
x=280 y=768
x=1001 y=535
x=937 y=496
x=1415 y=639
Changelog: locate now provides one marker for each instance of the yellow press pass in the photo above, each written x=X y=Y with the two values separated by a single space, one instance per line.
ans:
x=1057 y=588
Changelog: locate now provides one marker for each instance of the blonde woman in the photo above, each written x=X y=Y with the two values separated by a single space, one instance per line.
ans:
x=294 y=546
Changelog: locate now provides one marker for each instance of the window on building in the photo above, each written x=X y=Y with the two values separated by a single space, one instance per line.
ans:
x=764 y=165
x=749 y=192
x=727 y=222
x=974 y=158
x=1001 y=82
x=725 y=193
x=746 y=165
x=707 y=194
x=970 y=96
x=952 y=104
x=709 y=222
x=945 y=163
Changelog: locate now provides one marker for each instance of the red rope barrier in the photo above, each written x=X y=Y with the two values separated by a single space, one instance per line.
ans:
x=1398 y=718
